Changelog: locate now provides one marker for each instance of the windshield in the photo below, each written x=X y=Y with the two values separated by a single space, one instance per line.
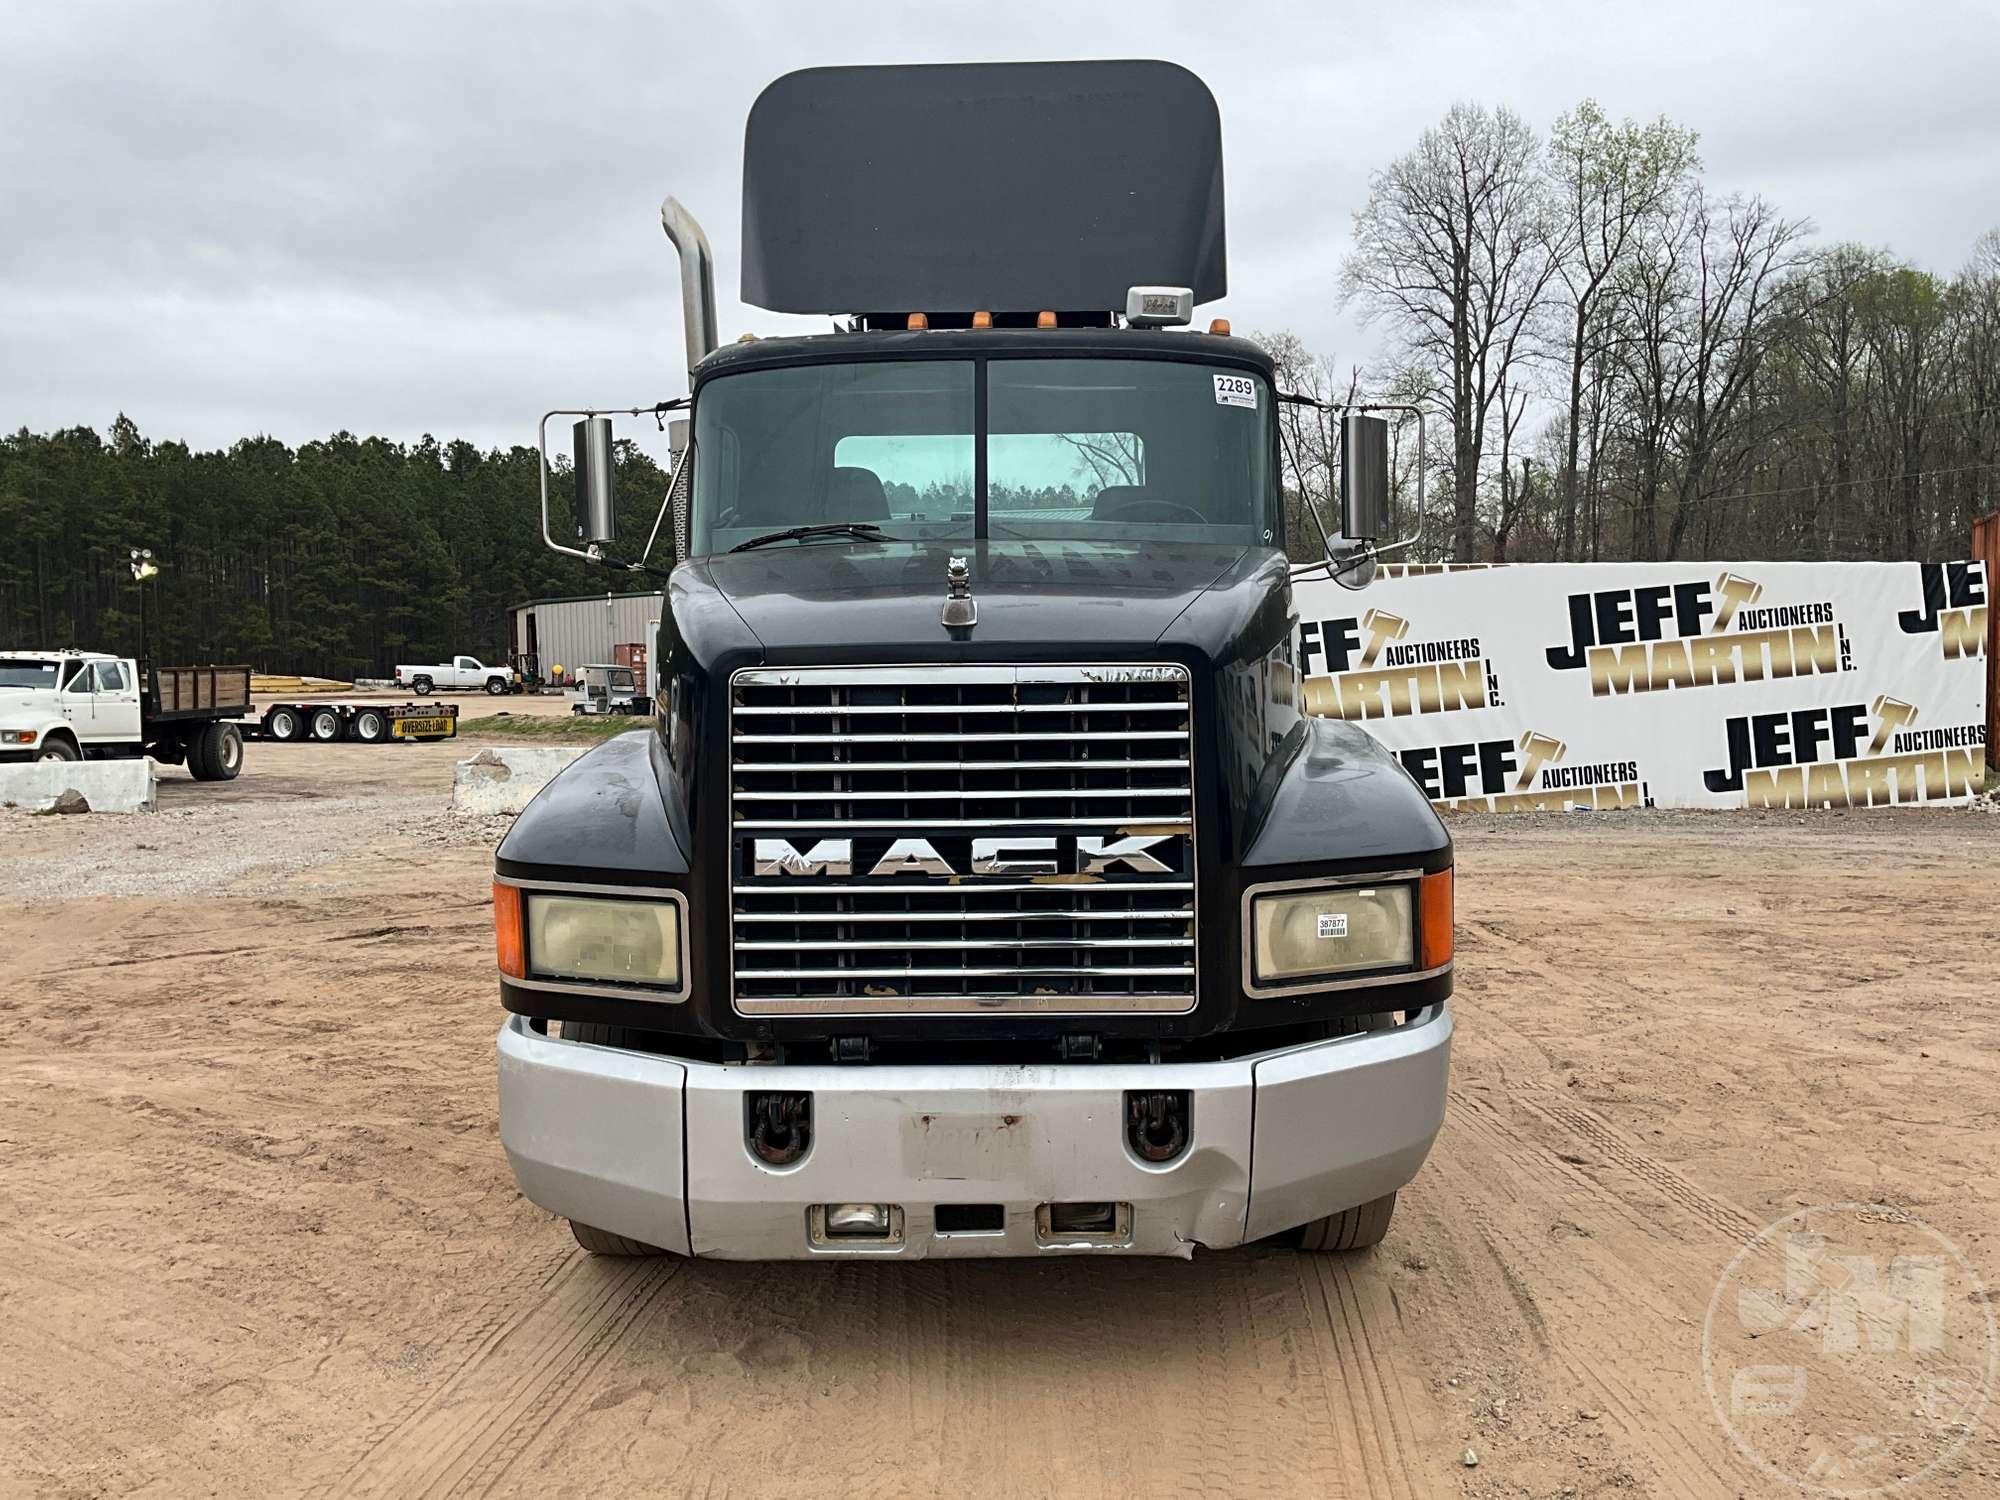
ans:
x=1097 y=448
x=18 y=673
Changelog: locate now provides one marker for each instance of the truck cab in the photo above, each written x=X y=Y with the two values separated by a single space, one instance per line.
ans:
x=979 y=887
x=65 y=705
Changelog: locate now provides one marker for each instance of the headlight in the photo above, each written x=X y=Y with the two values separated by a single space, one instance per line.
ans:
x=604 y=939
x=1334 y=930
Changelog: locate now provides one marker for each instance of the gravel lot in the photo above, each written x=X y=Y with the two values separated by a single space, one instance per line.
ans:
x=261 y=1237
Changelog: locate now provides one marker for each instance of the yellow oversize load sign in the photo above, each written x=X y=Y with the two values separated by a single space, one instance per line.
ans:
x=1605 y=685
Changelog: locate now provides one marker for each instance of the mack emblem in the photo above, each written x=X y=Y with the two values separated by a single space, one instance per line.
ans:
x=1090 y=854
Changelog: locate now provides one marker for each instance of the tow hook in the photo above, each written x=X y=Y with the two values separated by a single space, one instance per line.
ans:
x=1156 y=1123
x=779 y=1127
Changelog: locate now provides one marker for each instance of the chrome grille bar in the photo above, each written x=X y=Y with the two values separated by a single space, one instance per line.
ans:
x=932 y=935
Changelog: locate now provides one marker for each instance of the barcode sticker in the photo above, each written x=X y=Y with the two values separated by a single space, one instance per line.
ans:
x=1333 y=924
x=1236 y=390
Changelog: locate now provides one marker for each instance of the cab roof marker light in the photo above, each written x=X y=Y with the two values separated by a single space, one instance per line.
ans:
x=1045 y=319
x=982 y=319
x=917 y=323
x=1220 y=328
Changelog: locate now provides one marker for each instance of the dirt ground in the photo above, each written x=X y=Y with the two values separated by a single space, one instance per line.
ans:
x=259 y=1235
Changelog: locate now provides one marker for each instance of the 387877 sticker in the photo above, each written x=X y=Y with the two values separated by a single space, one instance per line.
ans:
x=1236 y=390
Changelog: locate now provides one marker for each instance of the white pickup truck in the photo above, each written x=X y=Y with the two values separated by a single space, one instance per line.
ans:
x=78 y=705
x=461 y=673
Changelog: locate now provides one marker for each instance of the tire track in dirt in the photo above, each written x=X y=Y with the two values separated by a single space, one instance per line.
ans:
x=1374 y=1396
x=1606 y=1319
x=500 y=1308
x=1626 y=1306
x=465 y=1435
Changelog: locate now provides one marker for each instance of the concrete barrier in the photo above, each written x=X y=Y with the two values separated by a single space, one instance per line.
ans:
x=505 y=778
x=118 y=786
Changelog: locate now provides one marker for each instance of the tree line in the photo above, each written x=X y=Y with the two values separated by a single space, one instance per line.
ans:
x=1618 y=363
x=337 y=558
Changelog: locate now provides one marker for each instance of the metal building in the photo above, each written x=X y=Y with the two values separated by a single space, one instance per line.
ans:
x=585 y=629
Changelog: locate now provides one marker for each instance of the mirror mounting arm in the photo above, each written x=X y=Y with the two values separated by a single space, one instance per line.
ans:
x=1305 y=570
x=594 y=552
x=1336 y=566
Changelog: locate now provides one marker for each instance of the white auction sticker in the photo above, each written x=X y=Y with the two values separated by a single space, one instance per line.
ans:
x=1333 y=924
x=1236 y=390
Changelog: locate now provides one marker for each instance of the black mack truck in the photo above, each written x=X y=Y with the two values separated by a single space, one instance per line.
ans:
x=979 y=888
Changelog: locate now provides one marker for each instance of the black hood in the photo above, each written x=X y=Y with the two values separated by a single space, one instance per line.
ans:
x=883 y=601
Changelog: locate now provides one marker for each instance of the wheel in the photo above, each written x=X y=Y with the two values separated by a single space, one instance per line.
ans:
x=216 y=753
x=54 y=749
x=1352 y=1228
x=283 y=724
x=325 y=725
x=604 y=1242
x=421 y=686
x=371 y=726
x=497 y=686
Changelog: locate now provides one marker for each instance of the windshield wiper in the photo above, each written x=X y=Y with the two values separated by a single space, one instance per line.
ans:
x=867 y=530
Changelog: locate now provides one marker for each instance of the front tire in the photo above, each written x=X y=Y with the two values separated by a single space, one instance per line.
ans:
x=497 y=686
x=1354 y=1228
x=603 y=1243
x=55 y=749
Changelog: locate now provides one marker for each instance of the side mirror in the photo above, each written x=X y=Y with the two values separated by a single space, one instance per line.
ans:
x=596 y=489
x=1364 y=477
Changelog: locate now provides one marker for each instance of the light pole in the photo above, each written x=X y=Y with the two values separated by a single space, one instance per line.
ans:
x=143 y=569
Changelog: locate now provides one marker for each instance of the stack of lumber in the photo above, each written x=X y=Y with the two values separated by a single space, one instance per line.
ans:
x=265 y=683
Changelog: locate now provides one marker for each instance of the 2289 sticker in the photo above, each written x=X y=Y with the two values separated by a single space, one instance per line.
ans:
x=1236 y=390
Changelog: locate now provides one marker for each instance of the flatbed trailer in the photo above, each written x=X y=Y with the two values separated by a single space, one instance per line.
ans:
x=317 y=721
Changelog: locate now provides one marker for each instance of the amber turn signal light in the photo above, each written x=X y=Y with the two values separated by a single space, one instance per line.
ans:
x=507 y=944
x=1434 y=918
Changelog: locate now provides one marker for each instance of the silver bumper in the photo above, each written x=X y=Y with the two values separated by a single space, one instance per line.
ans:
x=653 y=1147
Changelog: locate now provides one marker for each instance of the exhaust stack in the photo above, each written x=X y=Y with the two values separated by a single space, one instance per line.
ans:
x=697 y=279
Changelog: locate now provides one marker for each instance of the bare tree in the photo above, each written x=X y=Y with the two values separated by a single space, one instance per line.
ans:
x=1743 y=252
x=1452 y=252
x=1607 y=182
x=1693 y=320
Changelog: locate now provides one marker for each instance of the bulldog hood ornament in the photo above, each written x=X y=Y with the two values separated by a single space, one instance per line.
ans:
x=960 y=612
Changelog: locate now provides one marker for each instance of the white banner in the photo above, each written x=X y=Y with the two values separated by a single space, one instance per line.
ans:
x=1602 y=685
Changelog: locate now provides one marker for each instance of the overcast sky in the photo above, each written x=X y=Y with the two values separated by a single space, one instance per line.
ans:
x=287 y=218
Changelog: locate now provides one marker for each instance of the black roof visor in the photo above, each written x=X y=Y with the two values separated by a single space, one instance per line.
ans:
x=1008 y=187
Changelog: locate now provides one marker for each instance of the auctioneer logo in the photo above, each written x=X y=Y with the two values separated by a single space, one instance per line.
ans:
x=1954 y=609
x=1369 y=668
x=1525 y=773
x=1848 y=755
x=1696 y=634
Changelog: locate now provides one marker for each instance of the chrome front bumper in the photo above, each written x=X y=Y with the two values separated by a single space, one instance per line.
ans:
x=654 y=1147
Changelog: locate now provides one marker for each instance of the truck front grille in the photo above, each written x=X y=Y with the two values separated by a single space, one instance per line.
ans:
x=915 y=840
